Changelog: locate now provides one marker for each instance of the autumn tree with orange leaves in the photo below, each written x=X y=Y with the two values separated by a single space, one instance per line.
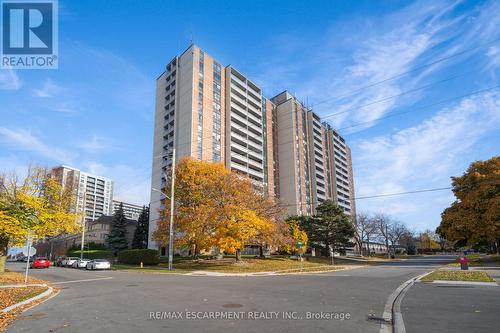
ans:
x=217 y=208
x=37 y=205
x=474 y=217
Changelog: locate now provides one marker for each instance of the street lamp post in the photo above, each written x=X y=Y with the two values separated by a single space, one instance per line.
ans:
x=83 y=225
x=171 y=224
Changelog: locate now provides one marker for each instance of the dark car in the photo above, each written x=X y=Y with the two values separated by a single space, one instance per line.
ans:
x=59 y=261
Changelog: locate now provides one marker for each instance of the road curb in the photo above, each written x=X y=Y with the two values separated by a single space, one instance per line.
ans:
x=29 y=300
x=270 y=273
x=392 y=316
x=23 y=285
x=470 y=283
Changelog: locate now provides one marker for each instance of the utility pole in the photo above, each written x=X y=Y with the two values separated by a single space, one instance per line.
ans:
x=387 y=243
x=171 y=226
x=83 y=224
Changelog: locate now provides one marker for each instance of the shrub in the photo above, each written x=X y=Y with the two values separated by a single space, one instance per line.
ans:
x=93 y=254
x=135 y=257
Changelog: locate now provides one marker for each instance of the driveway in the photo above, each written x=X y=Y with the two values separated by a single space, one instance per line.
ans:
x=113 y=301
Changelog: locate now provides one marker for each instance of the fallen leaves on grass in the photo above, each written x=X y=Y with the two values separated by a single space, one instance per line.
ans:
x=17 y=278
x=452 y=275
x=7 y=318
x=11 y=296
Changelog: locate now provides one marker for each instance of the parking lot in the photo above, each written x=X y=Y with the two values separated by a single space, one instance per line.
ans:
x=59 y=275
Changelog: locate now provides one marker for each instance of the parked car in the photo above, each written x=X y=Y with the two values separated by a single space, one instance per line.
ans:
x=69 y=261
x=81 y=263
x=59 y=261
x=98 y=264
x=41 y=262
x=31 y=259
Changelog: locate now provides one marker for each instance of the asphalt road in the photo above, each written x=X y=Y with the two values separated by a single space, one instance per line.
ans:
x=113 y=301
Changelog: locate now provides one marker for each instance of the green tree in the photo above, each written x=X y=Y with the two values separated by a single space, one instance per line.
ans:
x=474 y=217
x=329 y=229
x=140 y=240
x=117 y=238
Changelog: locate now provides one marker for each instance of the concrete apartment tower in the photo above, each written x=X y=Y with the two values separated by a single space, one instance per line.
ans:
x=314 y=161
x=212 y=113
x=92 y=191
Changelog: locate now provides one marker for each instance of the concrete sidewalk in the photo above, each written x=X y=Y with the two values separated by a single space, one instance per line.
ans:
x=434 y=307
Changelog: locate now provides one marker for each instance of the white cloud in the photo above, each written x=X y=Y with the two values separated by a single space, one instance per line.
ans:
x=493 y=54
x=9 y=80
x=25 y=141
x=130 y=184
x=359 y=61
x=48 y=89
x=423 y=156
x=95 y=145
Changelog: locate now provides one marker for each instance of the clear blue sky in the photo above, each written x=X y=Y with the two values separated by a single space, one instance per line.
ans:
x=96 y=111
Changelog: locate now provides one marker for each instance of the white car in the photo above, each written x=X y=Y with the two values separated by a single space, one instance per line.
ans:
x=98 y=264
x=69 y=261
x=81 y=263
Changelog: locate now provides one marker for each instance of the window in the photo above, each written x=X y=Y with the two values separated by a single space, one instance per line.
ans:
x=216 y=131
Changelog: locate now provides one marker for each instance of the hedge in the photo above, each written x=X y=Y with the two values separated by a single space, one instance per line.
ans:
x=93 y=254
x=135 y=257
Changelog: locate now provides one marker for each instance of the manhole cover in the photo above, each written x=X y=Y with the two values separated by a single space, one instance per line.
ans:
x=377 y=319
x=232 y=305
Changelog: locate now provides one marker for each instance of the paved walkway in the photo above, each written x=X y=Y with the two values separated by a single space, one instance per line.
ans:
x=460 y=308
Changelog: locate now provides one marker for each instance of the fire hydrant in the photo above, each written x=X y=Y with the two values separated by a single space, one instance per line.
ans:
x=464 y=263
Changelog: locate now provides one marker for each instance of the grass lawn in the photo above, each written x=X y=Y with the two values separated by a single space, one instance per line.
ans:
x=449 y=275
x=17 y=278
x=11 y=296
x=247 y=265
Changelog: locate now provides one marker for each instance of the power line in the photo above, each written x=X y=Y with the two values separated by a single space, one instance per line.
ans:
x=421 y=108
x=383 y=195
x=387 y=116
x=186 y=143
x=352 y=92
x=222 y=145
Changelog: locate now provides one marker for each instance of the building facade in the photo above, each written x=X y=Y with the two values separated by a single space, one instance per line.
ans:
x=131 y=211
x=314 y=161
x=212 y=113
x=215 y=113
x=94 y=194
x=95 y=232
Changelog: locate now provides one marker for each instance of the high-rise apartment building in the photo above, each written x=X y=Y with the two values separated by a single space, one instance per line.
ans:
x=131 y=211
x=212 y=113
x=215 y=113
x=314 y=161
x=92 y=191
